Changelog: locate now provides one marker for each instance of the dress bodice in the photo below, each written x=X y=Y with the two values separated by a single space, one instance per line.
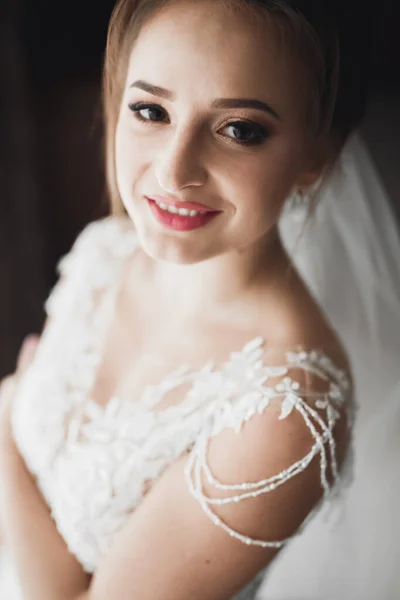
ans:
x=95 y=464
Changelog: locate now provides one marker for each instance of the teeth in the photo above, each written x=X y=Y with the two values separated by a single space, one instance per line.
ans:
x=184 y=212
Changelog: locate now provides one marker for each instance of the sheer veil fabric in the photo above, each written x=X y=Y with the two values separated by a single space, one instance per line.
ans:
x=349 y=255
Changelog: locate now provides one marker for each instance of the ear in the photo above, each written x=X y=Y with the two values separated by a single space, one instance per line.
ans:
x=308 y=180
x=314 y=169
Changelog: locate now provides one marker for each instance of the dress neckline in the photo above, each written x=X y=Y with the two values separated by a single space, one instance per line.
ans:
x=100 y=324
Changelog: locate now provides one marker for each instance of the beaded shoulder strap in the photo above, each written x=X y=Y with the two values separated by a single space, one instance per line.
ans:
x=254 y=398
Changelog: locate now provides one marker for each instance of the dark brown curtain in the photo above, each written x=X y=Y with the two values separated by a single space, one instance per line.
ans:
x=22 y=247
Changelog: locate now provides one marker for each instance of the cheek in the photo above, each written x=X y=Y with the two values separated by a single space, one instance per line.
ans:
x=123 y=152
x=127 y=157
x=262 y=185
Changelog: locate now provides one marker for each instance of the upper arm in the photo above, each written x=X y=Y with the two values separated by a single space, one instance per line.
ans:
x=177 y=544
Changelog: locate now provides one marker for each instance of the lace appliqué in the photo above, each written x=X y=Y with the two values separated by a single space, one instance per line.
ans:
x=250 y=378
x=94 y=464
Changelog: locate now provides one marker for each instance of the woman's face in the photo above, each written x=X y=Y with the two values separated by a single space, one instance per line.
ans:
x=184 y=143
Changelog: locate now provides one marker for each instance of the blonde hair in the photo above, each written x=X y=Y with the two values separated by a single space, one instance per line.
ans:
x=127 y=20
x=317 y=32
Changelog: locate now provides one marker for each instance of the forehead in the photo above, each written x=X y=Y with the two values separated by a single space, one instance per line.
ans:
x=207 y=49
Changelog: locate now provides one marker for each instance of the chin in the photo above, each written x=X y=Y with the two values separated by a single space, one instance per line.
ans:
x=170 y=246
x=165 y=247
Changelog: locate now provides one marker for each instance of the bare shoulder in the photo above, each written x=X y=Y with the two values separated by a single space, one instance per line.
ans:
x=304 y=332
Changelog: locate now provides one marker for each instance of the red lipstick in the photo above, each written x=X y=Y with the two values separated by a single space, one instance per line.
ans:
x=181 y=222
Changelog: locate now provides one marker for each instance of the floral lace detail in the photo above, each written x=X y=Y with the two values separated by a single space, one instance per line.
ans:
x=244 y=394
x=94 y=464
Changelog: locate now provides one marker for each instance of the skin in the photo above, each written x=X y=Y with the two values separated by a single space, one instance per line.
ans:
x=169 y=549
x=190 y=151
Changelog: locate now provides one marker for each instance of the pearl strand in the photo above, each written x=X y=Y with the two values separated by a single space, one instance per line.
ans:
x=217 y=521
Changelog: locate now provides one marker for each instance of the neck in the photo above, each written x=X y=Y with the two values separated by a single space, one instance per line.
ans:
x=220 y=283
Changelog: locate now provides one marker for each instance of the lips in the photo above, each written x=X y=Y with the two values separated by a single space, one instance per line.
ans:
x=179 y=222
x=189 y=205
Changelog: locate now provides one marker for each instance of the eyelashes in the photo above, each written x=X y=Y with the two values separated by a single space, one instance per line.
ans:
x=254 y=133
x=140 y=106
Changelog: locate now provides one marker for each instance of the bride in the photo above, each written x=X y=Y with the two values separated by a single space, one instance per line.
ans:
x=187 y=422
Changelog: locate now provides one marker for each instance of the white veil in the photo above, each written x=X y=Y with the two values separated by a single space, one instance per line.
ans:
x=349 y=255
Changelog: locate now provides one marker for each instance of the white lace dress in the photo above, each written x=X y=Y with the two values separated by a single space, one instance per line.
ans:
x=94 y=464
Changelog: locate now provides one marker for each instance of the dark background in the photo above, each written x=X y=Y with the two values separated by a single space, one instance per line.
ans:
x=51 y=152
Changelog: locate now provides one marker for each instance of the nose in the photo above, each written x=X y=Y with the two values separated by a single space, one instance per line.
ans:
x=179 y=163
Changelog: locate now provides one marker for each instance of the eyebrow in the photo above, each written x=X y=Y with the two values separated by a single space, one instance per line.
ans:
x=218 y=103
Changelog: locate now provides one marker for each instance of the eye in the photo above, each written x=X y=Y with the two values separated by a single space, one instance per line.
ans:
x=151 y=109
x=247 y=134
